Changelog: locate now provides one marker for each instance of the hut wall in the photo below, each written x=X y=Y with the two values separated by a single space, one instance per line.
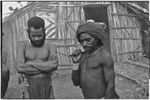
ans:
x=68 y=19
x=8 y=46
x=124 y=33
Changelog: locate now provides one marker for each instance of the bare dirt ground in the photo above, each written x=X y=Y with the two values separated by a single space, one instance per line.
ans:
x=64 y=89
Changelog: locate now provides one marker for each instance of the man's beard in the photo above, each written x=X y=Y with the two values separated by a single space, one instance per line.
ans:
x=87 y=48
x=38 y=43
x=91 y=48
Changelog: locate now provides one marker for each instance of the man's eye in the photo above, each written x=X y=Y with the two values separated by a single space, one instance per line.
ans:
x=81 y=41
x=40 y=35
x=34 y=36
x=88 y=40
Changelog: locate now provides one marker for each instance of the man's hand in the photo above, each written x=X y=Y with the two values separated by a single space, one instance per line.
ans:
x=76 y=55
x=53 y=58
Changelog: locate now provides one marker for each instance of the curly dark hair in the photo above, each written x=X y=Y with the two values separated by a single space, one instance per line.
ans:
x=36 y=23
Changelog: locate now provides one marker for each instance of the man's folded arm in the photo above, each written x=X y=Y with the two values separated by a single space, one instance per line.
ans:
x=22 y=67
x=45 y=66
x=27 y=69
x=50 y=64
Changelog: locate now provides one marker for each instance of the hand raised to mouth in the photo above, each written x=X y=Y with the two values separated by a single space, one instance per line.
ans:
x=76 y=55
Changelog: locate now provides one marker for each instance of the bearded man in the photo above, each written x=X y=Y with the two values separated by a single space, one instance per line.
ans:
x=94 y=70
x=37 y=60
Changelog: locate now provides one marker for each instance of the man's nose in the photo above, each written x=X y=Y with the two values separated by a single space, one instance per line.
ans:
x=84 y=43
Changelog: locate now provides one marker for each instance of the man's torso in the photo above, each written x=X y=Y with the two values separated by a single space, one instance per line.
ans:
x=92 y=75
x=39 y=54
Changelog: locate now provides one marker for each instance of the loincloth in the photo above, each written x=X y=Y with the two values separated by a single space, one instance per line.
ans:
x=40 y=88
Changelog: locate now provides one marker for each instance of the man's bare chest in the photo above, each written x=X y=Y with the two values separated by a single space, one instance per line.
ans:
x=91 y=68
x=32 y=53
x=91 y=62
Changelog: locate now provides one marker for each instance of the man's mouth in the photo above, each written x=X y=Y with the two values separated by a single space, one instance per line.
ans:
x=38 y=43
x=87 y=48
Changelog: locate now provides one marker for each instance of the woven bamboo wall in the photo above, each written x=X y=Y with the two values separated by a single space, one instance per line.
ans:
x=7 y=46
x=68 y=19
x=125 y=34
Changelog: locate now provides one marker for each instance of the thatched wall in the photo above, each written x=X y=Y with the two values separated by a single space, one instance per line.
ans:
x=7 y=46
x=62 y=19
x=125 y=34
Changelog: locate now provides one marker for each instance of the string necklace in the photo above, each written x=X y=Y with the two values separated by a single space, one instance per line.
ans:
x=96 y=51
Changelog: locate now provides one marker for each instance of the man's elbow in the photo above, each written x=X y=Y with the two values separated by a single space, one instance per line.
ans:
x=19 y=68
x=52 y=67
x=55 y=66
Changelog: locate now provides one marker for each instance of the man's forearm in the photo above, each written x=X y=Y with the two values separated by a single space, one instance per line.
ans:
x=110 y=91
x=44 y=66
x=30 y=72
x=27 y=69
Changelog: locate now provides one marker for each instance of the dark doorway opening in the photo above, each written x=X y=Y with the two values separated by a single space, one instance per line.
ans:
x=99 y=14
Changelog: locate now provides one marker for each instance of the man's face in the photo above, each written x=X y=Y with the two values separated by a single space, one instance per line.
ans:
x=37 y=37
x=88 y=42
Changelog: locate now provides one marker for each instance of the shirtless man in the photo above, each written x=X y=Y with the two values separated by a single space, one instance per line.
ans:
x=95 y=75
x=37 y=60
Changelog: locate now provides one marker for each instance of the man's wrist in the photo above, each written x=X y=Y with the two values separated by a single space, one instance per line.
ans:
x=75 y=66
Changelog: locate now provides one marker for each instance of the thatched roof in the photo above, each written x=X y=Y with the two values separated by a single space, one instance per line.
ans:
x=144 y=4
x=140 y=8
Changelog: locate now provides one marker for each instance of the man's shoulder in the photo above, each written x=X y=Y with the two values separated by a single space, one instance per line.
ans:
x=23 y=43
x=104 y=53
x=107 y=58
